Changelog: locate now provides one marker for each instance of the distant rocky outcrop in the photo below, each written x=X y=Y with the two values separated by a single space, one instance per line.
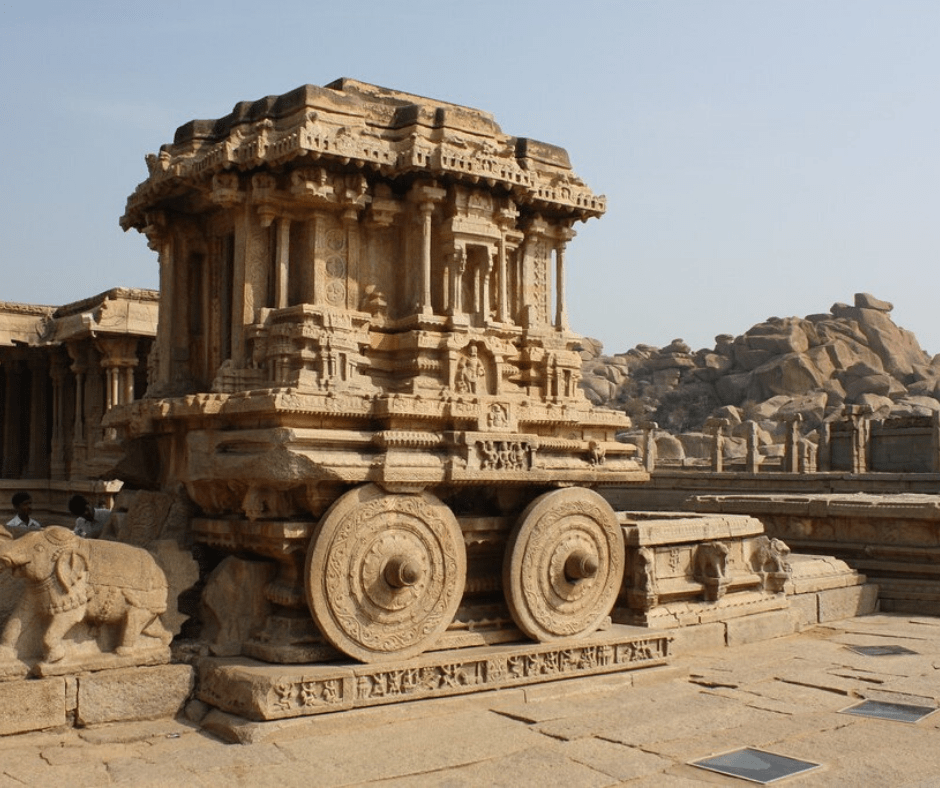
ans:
x=783 y=367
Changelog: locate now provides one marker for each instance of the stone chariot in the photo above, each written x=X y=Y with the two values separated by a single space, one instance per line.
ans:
x=364 y=373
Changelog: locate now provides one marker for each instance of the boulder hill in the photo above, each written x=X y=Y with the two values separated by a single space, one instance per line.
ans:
x=812 y=366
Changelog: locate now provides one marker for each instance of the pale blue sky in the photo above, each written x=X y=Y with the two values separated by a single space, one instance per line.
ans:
x=759 y=158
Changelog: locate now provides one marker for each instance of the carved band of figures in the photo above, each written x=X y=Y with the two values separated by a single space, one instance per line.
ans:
x=310 y=696
x=507 y=455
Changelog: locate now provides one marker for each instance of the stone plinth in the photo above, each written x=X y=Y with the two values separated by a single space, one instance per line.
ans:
x=688 y=569
x=258 y=691
x=893 y=539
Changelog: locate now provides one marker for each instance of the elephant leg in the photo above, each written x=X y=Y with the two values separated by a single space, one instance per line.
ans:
x=155 y=629
x=61 y=623
x=134 y=622
x=13 y=630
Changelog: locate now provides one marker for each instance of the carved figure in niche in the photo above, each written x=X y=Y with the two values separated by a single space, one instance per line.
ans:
x=72 y=580
x=498 y=417
x=598 y=453
x=469 y=371
x=711 y=560
x=520 y=458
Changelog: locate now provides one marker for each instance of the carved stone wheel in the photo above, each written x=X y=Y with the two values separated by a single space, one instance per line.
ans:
x=564 y=564
x=385 y=573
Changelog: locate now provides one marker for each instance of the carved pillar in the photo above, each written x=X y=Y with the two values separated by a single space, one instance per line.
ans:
x=718 y=443
x=506 y=218
x=158 y=241
x=283 y=263
x=791 y=456
x=425 y=196
x=753 y=448
x=37 y=464
x=12 y=415
x=535 y=285
x=59 y=372
x=118 y=359
x=486 y=268
x=502 y=296
x=424 y=303
x=241 y=245
x=353 y=253
x=935 y=442
x=561 y=312
x=79 y=369
x=824 y=452
x=860 y=435
x=649 y=446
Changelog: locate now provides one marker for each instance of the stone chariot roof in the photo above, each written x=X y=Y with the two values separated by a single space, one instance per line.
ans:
x=364 y=126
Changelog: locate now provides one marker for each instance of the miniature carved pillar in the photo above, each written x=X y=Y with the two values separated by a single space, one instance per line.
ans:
x=753 y=448
x=486 y=268
x=502 y=297
x=458 y=264
x=12 y=415
x=427 y=208
x=283 y=263
x=59 y=373
x=506 y=217
x=37 y=464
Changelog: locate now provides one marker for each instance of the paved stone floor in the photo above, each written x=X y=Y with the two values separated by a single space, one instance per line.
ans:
x=638 y=729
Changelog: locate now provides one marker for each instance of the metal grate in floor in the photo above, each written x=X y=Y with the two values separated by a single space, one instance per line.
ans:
x=757 y=766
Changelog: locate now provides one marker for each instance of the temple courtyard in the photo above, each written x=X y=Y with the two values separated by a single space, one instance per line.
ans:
x=785 y=696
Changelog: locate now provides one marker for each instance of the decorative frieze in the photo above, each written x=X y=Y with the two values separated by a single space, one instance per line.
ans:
x=261 y=692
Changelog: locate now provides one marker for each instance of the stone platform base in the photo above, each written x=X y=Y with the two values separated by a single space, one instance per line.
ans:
x=892 y=539
x=257 y=691
x=123 y=695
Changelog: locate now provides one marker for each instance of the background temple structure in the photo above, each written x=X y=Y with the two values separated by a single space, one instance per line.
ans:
x=61 y=369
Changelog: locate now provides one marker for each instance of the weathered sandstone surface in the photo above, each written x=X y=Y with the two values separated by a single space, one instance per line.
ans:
x=809 y=367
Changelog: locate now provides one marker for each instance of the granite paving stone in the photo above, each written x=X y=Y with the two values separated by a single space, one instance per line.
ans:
x=781 y=695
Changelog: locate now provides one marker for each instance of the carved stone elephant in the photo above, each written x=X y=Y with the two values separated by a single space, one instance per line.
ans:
x=72 y=580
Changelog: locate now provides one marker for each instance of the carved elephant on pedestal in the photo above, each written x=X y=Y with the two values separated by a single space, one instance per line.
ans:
x=71 y=580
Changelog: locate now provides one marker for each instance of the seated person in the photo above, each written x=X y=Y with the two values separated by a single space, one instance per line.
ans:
x=89 y=521
x=23 y=521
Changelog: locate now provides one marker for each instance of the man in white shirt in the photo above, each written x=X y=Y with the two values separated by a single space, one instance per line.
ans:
x=23 y=521
x=89 y=521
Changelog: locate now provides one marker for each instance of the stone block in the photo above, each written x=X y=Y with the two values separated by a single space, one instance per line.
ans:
x=705 y=637
x=804 y=609
x=145 y=693
x=840 y=603
x=763 y=626
x=32 y=705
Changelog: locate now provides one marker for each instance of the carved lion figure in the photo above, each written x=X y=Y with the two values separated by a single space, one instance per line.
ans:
x=70 y=580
